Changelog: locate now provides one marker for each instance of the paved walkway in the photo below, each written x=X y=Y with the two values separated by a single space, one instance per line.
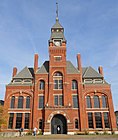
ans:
x=64 y=137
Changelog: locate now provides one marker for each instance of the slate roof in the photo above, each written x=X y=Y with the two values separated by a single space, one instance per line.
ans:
x=44 y=68
x=25 y=73
x=89 y=72
x=71 y=69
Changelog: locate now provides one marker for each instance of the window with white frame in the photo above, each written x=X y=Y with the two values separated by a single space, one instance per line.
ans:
x=75 y=101
x=41 y=101
x=74 y=84
x=58 y=80
x=58 y=100
x=57 y=58
x=42 y=85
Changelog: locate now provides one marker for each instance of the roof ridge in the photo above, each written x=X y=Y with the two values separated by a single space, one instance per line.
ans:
x=21 y=73
x=86 y=71
x=29 y=71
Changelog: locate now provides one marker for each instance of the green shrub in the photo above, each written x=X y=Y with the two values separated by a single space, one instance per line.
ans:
x=86 y=132
x=29 y=132
x=96 y=132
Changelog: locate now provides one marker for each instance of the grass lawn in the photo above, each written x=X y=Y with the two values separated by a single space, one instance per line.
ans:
x=63 y=137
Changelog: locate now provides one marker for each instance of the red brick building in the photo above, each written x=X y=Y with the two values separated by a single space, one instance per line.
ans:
x=58 y=97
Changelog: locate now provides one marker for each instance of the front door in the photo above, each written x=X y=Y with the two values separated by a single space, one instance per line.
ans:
x=59 y=124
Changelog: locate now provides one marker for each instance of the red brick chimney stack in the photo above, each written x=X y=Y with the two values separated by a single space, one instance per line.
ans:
x=14 y=71
x=36 y=62
x=100 y=69
x=79 y=63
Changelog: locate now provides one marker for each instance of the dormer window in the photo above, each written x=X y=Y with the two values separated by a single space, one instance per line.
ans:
x=98 y=81
x=88 y=81
x=17 y=81
x=27 y=81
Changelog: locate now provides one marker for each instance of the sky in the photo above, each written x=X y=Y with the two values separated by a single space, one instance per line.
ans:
x=90 y=27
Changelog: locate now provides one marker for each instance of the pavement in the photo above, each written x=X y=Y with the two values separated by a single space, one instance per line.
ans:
x=63 y=137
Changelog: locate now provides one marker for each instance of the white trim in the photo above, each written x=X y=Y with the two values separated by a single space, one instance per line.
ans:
x=70 y=133
x=96 y=111
x=18 y=112
x=41 y=94
x=47 y=133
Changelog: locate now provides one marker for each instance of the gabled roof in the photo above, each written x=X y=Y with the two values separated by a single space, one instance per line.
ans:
x=71 y=69
x=44 y=68
x=25 y=73
x=89 y=72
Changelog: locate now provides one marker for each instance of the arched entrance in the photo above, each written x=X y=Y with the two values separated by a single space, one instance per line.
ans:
x=58 y=124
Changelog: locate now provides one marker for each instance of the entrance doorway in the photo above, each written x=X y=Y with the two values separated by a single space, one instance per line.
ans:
x=58 y=124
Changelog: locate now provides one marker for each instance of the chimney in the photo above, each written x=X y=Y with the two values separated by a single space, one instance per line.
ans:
x=14 y=71
x=100 y=69
x=79 y=63
x=35 y=62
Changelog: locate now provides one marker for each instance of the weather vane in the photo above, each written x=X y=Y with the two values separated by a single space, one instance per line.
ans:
x=57 y=11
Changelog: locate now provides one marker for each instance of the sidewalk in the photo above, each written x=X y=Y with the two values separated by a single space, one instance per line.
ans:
x=63 y=137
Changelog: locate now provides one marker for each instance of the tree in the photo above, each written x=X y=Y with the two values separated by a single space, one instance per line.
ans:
x=3 y=116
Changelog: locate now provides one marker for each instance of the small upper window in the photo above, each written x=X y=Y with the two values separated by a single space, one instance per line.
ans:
x=74 y=84
x=20 y=102
x=96 y=101
x=57 y=58
x=88 y=102
x=104 y=101
x=88 y=81
x=98 y=81
x=27 y=81
x=12 y=104
x=57 y=74
x=17 y=80
x=42 y=85
x=27 y=102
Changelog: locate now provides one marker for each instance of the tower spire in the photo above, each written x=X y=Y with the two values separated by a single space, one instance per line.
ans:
x=57 y=11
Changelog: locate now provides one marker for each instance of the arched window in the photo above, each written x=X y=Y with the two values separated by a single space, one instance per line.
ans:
x=40 y=124
x=88 y=101
x=20 y=102
x=104 y=101
x=12 y=105
x=27 y=102
x=76 y=124
x=74 y=84
x=96 y=101
x=58 y=80
x=42 y=85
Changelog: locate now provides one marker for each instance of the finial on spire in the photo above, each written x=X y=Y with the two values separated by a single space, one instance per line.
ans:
x=57 y=11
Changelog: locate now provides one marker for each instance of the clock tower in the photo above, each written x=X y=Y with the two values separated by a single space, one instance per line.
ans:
x=57 y=59
x=57 y=46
